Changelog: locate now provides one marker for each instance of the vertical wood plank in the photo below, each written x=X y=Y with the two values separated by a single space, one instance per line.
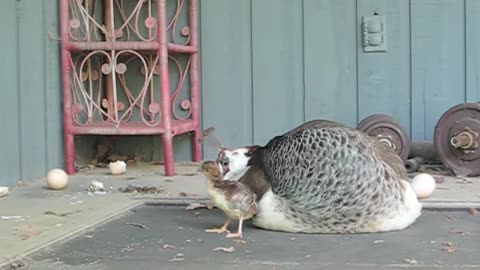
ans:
x=9 y=118
x=278 y=90
x=52 y=89
x=472 y=24
x=226 y=71
x=384 y=77
x=330 y=60
x=31 y=88
x=438 y=62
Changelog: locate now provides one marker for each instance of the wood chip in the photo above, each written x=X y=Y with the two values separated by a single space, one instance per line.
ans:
x=167 y=246
x=224 y=249
x=449 y=249
x=194 y=205
x=411 y=261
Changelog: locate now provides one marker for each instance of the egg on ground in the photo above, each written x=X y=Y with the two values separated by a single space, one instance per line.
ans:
x=423 y=184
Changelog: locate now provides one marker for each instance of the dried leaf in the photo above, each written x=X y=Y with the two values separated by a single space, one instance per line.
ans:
x=473 y=211
x=54 y=213
x=224 y=249
x=461 y=232
x=240 y=241
x=141 y=226
x=188 y=194
x=449 y=247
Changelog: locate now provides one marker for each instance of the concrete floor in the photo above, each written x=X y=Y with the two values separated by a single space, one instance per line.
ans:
x=26 y=226
x=142 y=240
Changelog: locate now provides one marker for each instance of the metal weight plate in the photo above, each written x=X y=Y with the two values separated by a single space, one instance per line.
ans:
x=456 y=139
x=386 y=129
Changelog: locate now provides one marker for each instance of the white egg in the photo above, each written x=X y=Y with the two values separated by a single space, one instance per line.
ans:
x=117 y=167
x=423 y=184
x=57 y=179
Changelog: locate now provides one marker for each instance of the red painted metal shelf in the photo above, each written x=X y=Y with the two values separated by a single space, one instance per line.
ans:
x=130 y=67
x=132 y=128
x=131 y=45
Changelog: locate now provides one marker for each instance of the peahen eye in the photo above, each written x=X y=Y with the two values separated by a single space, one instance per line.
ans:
x=225 y=161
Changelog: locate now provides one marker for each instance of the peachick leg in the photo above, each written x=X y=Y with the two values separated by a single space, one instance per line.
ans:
x=223 y=229
x=239 y=232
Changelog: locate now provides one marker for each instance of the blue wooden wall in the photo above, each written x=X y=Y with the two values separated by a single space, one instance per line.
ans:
x=30 y=105
x=268 y=65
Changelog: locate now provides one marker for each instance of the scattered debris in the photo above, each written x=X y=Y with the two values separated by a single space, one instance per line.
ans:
x=96 y=187
x=378 y=241
x=145 y=189
x=308 y=256
x=141 y=226
x=3 y=191
x=473 y=211
x=168 y=180
x=22 y=183
x=240 y=241
x=188 y=194
x=410 y=261
x=439 y=179
x=178 y=257
x=128 y=248
x=188 y=241
x=54 y=213
x=293 y=238
x=17 y=264
x=167 y=246
x=187 y=174
x=85 y=168
x=88 y=236
x=449 y=247
x=451 y=218
x=10 y=217
x=157 y=162
x=29 y=233
x=224 y=249
x=130 y=178
x=461 y=232
x=194 y=205
x=464 y=181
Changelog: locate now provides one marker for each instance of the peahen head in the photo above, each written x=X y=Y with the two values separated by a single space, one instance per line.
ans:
x=233 y=162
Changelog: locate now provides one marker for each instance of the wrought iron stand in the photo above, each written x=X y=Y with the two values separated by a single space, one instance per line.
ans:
x=112 y=51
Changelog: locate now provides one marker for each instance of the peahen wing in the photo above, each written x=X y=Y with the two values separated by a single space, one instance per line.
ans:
x=321 y=167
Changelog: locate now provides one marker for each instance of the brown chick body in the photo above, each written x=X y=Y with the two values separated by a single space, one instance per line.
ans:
x=235 y=199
